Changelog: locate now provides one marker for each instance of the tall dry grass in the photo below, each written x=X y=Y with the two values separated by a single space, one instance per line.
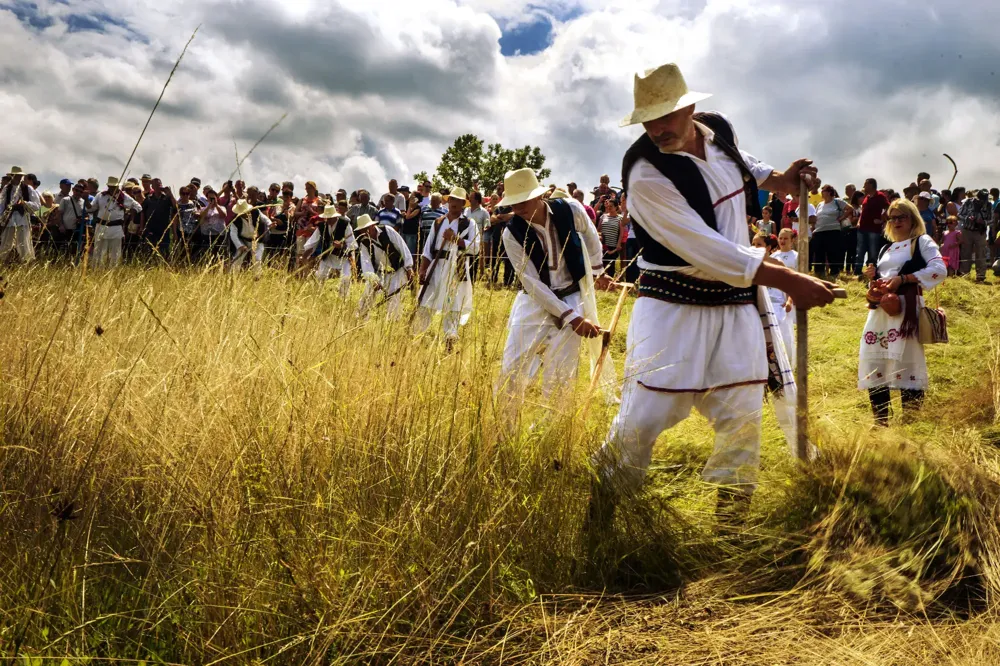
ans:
x=204 y=468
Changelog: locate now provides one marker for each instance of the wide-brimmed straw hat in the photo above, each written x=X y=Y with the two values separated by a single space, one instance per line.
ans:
x=113 y=182
x=559 y=194
x=658 y=92
x=242 y=207
x=15 y=171
x=330 y=211
x=364 y=221
x=520 y=186
x=459 y=193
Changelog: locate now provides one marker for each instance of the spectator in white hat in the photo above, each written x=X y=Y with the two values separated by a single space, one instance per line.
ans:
x=109 y=215
x=18 y=202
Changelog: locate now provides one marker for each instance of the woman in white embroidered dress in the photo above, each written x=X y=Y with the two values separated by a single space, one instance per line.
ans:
x=891 y=355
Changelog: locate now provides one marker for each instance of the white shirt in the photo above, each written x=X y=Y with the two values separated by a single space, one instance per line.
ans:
x=471 y=238
x=480 y=216
x=247 y=230
x=724 y=255
x=32 y=204
x=559 y=275
x=381 y=258
x=350 y=242
x=108 y=209
x=72 y=209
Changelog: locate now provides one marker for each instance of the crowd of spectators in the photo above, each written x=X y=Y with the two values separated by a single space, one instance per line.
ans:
x=847 y=232
x=153 y=222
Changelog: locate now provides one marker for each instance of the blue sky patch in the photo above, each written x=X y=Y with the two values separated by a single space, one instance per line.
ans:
x=100 y=22
x=534 y=36
x=27 y=13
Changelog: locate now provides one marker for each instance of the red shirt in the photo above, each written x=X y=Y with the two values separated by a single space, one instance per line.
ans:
x=872 y=209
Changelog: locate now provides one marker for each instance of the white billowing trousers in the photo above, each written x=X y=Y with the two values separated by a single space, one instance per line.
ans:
x=535 y=343
x=450 y=322
x=242 y=258
x=734 y=413
x=18 y=238
x=330 y=264
x=394 y=284
x=107 y=246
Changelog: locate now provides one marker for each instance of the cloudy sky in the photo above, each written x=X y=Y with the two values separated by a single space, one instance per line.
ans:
x=378 y=89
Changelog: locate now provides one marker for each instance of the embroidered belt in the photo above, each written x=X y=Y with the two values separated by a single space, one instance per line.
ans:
x=676 y=287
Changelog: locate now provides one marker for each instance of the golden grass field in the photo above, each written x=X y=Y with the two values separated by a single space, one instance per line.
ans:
x=199 y=468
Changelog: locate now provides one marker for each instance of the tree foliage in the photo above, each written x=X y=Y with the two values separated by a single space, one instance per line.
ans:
x=469 y=159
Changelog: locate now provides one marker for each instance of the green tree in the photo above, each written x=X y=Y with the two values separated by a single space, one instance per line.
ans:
x=469 y=160
x=436 y=183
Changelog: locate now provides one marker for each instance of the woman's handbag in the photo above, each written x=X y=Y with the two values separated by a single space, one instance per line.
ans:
x=933 y=326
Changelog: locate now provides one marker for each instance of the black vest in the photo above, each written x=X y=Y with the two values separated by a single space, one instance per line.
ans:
x=383 y=243
x=328 y=238
x=569 y=241
x=686 y=177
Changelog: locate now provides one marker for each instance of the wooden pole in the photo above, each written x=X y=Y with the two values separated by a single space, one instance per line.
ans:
x=802 y=334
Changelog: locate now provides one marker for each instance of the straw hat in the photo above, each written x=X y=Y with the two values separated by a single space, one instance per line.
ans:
x=242 y=207
x=559 y=194
x=15 y=171
x=459 y=193
x=658 y=92
x=520 y=186
x=330 y=211
x=113 y=182
x=364 y=221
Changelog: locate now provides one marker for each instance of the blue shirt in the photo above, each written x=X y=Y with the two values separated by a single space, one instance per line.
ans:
x=392 y=217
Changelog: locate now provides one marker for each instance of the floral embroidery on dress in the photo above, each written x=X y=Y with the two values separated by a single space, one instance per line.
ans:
x=883 y=339
x=913 y=378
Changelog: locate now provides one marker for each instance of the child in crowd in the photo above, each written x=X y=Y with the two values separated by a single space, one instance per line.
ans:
x=951 y=245
x=789 y=258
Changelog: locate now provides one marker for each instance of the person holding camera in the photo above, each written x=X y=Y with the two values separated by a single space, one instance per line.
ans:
x=18 y=202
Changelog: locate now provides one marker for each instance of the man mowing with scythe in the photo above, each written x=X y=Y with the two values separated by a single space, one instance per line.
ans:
x=696 y=338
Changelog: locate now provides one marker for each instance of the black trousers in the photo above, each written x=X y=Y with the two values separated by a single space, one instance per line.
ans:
x=850 y=239
x=827 y=248
x=631 y=252
x=610 y=258
x=912 y=400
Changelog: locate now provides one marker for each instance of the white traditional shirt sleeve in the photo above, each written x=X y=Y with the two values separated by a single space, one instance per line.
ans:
x=350 y=242
x=311 y=242
x=593 y=250
x=759 y=170
x=472 y=239
x=367 y=268
x=532 y=283
x=936 y=270
x=400 y=244
x=669 y=219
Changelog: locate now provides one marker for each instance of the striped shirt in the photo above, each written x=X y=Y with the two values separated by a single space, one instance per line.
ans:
x=611 y=232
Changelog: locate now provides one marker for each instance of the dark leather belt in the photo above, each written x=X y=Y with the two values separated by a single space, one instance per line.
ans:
x=568 y=291
x=112 y=223
x=677 y=287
